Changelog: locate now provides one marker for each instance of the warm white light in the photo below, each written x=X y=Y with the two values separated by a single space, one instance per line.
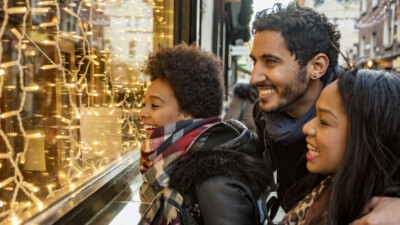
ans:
x=16 y=33
x=31 y=88
x=2 y=72
x=70 y=12
x=46 y=3
x=9 y=114
x=33 y=136
x=16 y=10
x=51 y=66
x=40 y=10
x=370 y=63
x=8 y=64
x=48 y=42
x=14 y=220
x=48 y=24
x=40 y=206
x=6 y=182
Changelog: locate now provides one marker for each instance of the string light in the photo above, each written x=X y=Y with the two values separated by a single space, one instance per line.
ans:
x=67 y=82
x=374 y=17
x=16 y=10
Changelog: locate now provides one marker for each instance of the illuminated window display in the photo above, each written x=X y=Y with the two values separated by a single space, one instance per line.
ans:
x=70 y=91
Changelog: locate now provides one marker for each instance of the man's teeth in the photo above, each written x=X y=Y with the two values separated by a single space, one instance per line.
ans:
x=313 y=150
x=149 y=127
x=267 y=91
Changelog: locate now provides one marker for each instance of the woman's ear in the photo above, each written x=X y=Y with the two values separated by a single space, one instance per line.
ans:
x=186 y=116
x=317 y=66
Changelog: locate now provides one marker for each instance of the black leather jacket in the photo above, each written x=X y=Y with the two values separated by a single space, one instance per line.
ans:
x=220 y=179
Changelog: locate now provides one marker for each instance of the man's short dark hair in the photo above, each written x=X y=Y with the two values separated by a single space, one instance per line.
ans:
x=194 y=75
x=306 y=32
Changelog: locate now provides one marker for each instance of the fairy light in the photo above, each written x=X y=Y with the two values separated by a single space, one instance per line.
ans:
x=40 y=10
x=47 y=67
x=49 y=24
x=76 y=82
x=48 y=42
x=46 y=3
x=9 y=114
x=8 y=64
x=30 y=186
x=16 y=10
x=6 y=182
x=16 y=33
x=31 y=88
x=14 y=220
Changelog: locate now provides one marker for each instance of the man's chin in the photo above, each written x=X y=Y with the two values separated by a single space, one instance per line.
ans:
x=267 y=107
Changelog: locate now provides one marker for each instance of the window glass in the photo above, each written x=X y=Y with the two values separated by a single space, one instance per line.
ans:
x=70 y=90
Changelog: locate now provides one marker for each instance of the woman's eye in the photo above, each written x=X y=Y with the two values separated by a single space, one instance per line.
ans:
x=154 y=106
x=323 y=123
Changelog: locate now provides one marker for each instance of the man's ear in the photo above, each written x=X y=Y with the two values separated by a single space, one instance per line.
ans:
x=317 y=66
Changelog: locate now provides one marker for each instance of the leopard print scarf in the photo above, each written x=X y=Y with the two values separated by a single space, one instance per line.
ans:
x=297 y=215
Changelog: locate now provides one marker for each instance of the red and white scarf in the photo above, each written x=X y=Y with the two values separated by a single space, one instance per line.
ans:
x=159 y=153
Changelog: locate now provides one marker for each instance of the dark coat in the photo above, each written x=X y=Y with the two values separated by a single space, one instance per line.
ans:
x=288 y=160
x=221 y=176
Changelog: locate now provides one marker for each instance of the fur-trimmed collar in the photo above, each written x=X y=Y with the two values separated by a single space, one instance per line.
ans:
x=202 y=165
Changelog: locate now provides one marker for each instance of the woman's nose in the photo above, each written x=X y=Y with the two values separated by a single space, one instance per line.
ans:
x=142 y=113
x=308 y=128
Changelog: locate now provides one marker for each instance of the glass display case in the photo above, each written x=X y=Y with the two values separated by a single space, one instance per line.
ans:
x=71 y=87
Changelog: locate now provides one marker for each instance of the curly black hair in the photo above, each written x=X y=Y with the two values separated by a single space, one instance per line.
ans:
x=306 y=32
x=194 y=75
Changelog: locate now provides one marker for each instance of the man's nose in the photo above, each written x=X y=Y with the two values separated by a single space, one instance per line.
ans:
x=257 y=74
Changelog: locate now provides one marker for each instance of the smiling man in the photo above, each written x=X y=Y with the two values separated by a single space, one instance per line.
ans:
x=294 y=53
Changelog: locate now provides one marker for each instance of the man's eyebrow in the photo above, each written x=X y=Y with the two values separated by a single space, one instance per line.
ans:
x=156 y=97
x=327 y=111
x=264 y=56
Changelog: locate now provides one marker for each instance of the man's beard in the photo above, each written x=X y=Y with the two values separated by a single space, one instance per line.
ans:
x=291 y=92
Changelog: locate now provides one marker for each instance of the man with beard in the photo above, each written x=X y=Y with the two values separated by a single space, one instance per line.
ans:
x=295 y=55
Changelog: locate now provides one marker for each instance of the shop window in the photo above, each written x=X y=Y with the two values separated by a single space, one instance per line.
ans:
x=362 y=46
x=388 y=29
x=70 y=93
x=373 y=44
x=375 y=3
x=363 y=6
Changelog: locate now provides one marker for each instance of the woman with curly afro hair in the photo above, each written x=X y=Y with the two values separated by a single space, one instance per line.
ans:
x=196 y=168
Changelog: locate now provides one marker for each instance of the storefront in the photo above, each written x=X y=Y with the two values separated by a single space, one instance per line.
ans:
x=70 y=91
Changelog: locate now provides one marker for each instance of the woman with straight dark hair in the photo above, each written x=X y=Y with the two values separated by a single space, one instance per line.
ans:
x=354 y=142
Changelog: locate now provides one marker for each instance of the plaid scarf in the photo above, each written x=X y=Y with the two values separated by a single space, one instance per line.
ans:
x=297 y=216
x=159 y=153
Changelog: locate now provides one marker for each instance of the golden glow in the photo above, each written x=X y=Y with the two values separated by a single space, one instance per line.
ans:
x=370 y=63
x=61 y=83
x=40 y=10
x=14 y=220
x=16 y=10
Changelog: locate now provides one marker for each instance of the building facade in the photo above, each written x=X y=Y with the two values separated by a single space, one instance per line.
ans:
x=379 y=46
x=345 y=21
